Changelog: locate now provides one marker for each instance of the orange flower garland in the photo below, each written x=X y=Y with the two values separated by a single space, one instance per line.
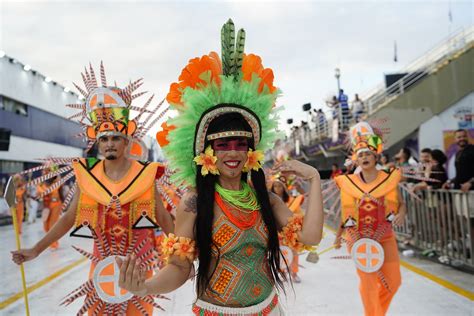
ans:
x=183 y=247
x=289 y=234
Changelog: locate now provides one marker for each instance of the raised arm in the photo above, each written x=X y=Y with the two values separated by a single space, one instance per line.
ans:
x=57 y=231
x=312 y=228
x=178 y=269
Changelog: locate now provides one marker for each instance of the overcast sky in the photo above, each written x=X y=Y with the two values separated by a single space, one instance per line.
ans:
x=303 y=41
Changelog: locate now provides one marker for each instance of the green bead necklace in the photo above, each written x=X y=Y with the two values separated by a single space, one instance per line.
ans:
x=244 y=199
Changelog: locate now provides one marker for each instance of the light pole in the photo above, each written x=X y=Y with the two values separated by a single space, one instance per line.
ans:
x=337 y=74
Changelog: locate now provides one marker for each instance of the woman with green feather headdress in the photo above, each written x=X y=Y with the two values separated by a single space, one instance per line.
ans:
x=227 y=219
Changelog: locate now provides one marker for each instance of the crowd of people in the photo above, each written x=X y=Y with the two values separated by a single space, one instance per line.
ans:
x=344 y=112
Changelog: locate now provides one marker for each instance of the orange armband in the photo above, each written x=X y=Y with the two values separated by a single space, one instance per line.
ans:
x=183 y=247
x=289 y=233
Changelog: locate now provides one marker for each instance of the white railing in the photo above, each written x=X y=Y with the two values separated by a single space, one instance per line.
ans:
x=419 y=68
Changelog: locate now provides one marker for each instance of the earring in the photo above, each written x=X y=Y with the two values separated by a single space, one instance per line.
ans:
x=254 y=160
x=208 y=161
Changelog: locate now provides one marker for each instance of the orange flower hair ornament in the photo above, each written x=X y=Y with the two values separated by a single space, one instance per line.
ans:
x=254 y=160
x=208 y=161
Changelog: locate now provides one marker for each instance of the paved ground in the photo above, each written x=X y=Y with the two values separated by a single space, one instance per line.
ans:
x=329 y=287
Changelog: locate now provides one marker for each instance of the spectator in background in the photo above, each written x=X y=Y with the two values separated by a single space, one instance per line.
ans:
x=437 y=172
x=464 y=163
x=402 y=157
x=322 y=123
x=334 y=105
x=305 y=133
x=385 y=162
x=425 y=156
x=358 y=108
x=335 y=171
x=344 y=108
x=425 y=161
x=32 y=203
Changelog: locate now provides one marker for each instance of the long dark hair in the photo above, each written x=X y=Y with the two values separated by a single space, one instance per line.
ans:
x=205 y=187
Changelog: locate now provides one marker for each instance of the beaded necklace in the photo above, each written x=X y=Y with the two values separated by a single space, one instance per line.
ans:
x=245 y=199
x=240 y=207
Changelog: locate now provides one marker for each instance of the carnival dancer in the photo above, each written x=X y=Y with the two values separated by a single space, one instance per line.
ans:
x=115 y=200
x=228 y=220
x=294 y=204
x=52 y=204
x=370 y=206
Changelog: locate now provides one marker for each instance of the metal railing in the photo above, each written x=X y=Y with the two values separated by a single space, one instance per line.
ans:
x=442 y=221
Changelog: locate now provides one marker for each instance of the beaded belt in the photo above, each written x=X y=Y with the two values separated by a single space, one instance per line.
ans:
x=264 y=308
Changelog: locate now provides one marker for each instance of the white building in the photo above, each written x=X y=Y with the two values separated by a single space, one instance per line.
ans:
x=32 y=109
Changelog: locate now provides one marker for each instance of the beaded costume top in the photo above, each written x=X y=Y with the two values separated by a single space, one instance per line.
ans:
x=242 y=276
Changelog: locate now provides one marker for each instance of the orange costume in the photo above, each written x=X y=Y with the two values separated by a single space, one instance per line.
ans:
x=294 y=204
x=52 y=206
x=367 y=212
x=120 y=216
x=20 y=207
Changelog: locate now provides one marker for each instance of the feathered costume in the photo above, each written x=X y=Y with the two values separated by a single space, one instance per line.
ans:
x=210 y=87
x=118 y=215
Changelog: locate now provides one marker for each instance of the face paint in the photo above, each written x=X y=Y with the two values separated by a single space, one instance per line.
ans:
x=229 y=144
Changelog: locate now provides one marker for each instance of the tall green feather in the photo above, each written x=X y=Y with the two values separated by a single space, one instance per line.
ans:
x=228 y=47
x=239 y=52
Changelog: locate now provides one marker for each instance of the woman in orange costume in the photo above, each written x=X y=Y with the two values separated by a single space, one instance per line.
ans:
x=370 y=205
x=52 y=209
x=294 y=204
x=20 y=204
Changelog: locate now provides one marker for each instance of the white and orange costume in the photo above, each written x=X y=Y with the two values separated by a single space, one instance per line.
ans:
x=367 y=212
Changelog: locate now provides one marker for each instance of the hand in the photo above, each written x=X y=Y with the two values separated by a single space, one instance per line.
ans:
x=132 y=277
x=399 y=219
x=446 y=186
x=465 y=187
x=23 y=255
x=337 y=242
x=297 y=168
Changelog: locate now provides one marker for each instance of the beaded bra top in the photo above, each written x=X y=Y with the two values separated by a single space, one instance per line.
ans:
x=242 y=276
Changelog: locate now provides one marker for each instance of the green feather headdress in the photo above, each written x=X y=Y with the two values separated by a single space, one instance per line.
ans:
x=208 y=88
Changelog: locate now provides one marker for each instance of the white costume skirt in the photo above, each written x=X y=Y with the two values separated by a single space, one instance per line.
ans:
x=269 y=307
